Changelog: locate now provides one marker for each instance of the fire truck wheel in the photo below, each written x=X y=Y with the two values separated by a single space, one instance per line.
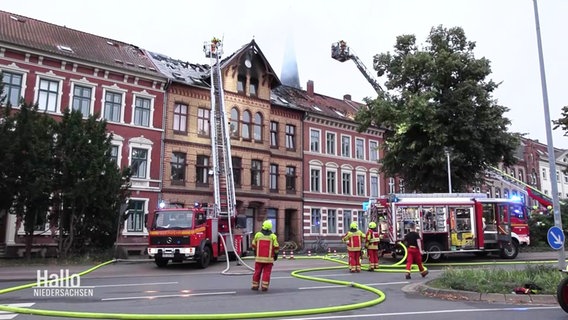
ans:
x=510 y=250
x=562 y=294
x=204 y=258
x=161 y=262
x=434 y=251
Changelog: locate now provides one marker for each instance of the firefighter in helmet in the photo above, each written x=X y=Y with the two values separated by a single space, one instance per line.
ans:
x=372 y=245
x=265 y=246
x=354 y=240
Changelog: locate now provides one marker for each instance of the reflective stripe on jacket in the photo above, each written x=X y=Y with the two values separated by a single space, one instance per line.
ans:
x=372 y=240
x=265 y=247
x=354 y=240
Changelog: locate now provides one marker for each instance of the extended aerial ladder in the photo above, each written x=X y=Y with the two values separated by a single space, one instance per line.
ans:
x=341 y=52
x=535 y=194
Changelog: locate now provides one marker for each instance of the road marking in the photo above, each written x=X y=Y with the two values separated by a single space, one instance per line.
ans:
x=345 y=286
x=133 y=284
x=318 y=275
x=398 y=314
x=9 y=315
x=185 y=295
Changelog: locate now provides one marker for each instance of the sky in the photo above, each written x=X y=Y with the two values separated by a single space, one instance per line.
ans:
x=503 y=30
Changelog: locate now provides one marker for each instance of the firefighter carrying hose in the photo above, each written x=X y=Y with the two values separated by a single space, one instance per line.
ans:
x=265 y=246
x=354 y=240
x=372 y=245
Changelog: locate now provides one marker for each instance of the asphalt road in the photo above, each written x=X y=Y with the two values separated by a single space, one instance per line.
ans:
x=142 y=288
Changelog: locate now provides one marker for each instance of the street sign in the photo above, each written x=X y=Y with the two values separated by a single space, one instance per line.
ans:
x=555 y=237
x=365 y=205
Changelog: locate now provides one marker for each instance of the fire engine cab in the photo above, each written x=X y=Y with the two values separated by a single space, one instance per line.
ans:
x=194 y=234
x=448 y=223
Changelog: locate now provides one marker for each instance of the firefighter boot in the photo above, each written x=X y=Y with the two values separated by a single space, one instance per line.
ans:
x=424 y=273
x=254 y=288
x=408 y=275
x=264 y=289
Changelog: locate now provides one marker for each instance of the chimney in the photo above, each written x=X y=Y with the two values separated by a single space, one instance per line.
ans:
x=310 y=88
x=347 y=97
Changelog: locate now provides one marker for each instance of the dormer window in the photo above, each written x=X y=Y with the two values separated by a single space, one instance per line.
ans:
x=253 y=88
x=241 y=82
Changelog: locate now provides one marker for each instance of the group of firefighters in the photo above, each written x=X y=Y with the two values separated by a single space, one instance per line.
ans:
x=266 y=247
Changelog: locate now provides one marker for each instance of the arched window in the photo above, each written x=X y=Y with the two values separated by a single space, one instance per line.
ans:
x=245 y=129
x=234 y=123
x=257 y=126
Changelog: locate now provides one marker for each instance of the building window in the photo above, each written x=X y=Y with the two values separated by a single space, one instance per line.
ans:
x=373 y=151
x=237 y=171
x=544 y=174
x=374 y=186
x=274 y=134
x=82 y=99
x=203 y=122
x=253 y=87
x=521 y=175
x=331 y=182
x=256 y=173
x=360 y=185
x=557 y=176
x=114 y=154
x=360 y=149
x=346 y=183
x=315 y=221
x=139 y=163
x=257 y=127
x=273 y=177
x=315 y=180
x=331 y=221
x=391 y=185
x=12 y=91
x=361 y=220
x=291 y=179
x=135 y=222
x=113 y=106
x=533 y=177
x=241 y=81
x=346 y=146
x=202 y=170
x=180 y=118
x=245 y=127
x=142 y=112
x=47 y=95
x=290 y=137
x=234 y=123
x=178 y=168
x=497 y=193
x=330 y=143
x=347 y=218
x=314 y=140
x=401 y=187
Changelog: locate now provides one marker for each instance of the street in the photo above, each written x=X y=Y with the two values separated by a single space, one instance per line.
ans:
x=142 y=288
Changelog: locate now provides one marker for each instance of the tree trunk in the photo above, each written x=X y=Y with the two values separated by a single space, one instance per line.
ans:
x=29 y=241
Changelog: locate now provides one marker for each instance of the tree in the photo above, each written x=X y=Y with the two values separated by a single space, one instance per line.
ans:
x=90 y=186
x=438 y=99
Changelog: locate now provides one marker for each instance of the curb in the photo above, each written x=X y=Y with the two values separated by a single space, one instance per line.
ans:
x=450 y=294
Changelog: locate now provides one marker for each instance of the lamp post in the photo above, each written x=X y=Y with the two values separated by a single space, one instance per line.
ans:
x=447 y=151
x=551 y=159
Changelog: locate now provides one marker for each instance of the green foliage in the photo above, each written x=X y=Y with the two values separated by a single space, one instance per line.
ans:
x=438 y=97
x=539 y=224
x=499 y=280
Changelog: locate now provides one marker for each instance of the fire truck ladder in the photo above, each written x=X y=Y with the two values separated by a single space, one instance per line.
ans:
x=224 y=187
x=535 y=194
x=341 y=52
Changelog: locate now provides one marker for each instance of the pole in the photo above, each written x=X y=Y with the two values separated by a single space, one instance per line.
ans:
x=551 y=158
x=449 y=171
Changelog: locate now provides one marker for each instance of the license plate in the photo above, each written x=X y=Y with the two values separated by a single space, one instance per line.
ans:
x=167 y=255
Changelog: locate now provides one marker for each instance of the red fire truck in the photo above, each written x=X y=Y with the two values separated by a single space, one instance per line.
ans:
x=194 y=234
x=448 y=223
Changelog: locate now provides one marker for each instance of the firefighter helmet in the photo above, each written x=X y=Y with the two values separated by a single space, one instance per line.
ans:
x=353 y=225
x=267 y=225
x=372 y=225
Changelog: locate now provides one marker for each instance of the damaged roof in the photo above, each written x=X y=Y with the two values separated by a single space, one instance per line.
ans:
x=180 y=71
x=34 y=34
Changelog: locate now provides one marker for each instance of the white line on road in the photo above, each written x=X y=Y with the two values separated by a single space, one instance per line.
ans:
x=185 y=295
x=133 y=284
x=398 y=314
x=366 y=284
x=8 y=315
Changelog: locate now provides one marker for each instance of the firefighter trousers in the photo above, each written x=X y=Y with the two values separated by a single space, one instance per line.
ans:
x=354 y=261
x=261 y=270
x=413 y=257
x=373 y=258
